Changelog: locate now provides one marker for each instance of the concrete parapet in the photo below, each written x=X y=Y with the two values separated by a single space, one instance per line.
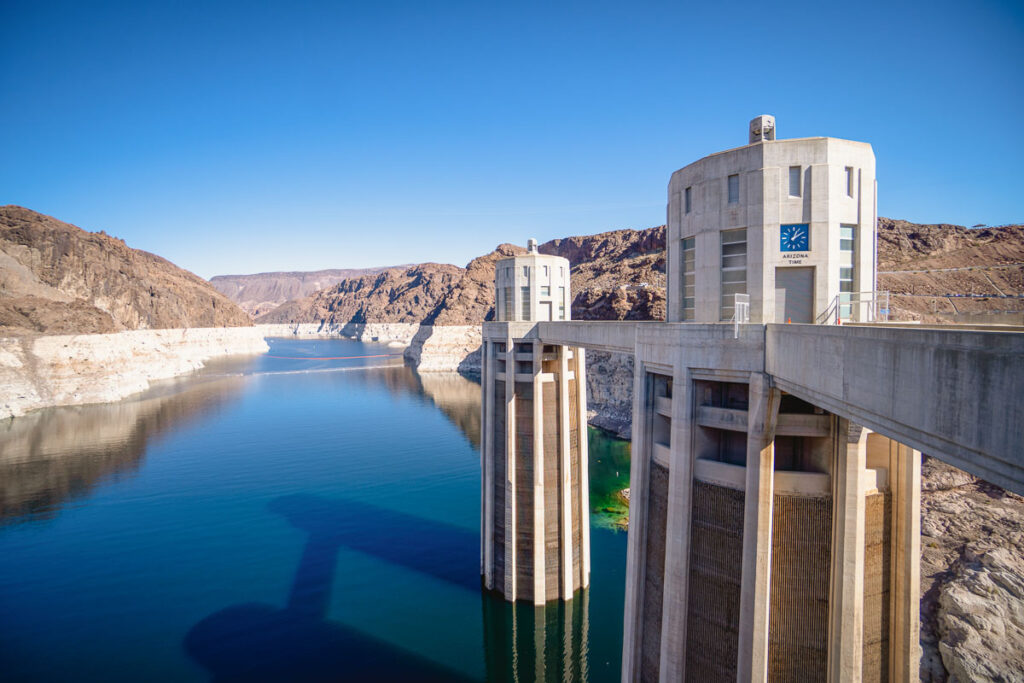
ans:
x=950 y=393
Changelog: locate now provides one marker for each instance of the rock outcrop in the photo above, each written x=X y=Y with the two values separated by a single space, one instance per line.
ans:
x=56 y=278
x=929 y=269
x=610 y=392
x=972 y=577
x=37 y=372
x=618 y=275
x=261 y=293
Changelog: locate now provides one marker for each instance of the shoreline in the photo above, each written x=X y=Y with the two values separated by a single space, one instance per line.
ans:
x=61 y=370
x=43 y=371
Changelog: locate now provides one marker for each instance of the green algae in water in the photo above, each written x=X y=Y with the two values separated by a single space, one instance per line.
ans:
x=609 y=475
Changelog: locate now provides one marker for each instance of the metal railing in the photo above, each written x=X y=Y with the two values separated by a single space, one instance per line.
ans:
x=740 y=313
x=861 y=307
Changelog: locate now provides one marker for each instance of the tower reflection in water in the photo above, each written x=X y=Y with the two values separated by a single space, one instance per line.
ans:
x=527 y=643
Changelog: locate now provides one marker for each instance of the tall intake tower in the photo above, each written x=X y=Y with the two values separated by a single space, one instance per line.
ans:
x=535 y=526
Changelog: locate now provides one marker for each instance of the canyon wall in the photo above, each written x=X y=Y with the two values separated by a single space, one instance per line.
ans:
x=261 y=293
x=56 y=278
x=37 y=372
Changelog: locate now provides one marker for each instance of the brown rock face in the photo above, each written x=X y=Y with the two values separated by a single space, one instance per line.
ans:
x=263 y=292
x=57 y=278
x=929 y=268
x=617 y=275
x=399 y=296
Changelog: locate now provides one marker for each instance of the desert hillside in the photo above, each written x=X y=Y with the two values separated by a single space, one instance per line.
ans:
x=59 y=279
x=262 y=292
x=950 y=273
x=617 y=275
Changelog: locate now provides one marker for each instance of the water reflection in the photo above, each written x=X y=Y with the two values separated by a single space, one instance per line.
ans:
x=527 y=643
x=231 y=521
x=52 y=456
x=456 y=396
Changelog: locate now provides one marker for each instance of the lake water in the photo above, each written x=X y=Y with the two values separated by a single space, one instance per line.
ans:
x=280 y=518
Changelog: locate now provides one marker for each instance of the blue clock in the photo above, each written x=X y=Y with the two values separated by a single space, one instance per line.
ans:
x=794 y=237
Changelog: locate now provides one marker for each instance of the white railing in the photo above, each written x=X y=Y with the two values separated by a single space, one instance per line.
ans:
x=740 y=313
x=861 y=307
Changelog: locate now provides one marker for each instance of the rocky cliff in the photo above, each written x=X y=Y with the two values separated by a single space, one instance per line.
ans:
x=618 y=275
x=263 y=292
x=60 y=370
x=59 y=279
x=972 y=578
x=950 y=273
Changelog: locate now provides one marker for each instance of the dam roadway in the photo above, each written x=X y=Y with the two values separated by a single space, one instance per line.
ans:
x=950 y=392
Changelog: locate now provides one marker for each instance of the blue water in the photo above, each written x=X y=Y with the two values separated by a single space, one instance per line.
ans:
x=276 y=519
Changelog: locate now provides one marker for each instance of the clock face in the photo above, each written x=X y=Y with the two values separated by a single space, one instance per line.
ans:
x=794 y=237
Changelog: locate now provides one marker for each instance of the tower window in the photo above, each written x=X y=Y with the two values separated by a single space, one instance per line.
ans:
x=688 y=277
x=688 y=199
x=849 y=181
x=734 y=189
x=525 y=295
x=734 y=269
x=794 y=181
x=508 y=304
x=847 y=285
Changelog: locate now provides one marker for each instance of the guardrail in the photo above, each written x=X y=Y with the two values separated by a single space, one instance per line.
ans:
x=862 y=307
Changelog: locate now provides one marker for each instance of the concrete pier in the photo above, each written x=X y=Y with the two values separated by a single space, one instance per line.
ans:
x=535 y=503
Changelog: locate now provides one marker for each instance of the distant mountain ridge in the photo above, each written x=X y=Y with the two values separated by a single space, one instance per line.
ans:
x=59 y=279
x=260 y=293
x=617 y=275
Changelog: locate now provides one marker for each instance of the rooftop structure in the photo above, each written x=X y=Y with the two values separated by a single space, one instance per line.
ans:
x=533 y=286
x=789 y=223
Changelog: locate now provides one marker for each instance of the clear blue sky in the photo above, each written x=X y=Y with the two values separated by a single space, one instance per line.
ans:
x=238 y=137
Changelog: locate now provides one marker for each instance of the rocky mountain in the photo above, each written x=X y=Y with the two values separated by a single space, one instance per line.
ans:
x=59 y=279
x=950 y=273
x=413 y=295
x=618 y=275
x=262 y=292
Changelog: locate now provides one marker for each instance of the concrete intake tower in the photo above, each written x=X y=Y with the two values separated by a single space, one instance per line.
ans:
x=778 y=422
x=535 y=523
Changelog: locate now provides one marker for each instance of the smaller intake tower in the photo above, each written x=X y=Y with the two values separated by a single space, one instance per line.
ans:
x=535 y=506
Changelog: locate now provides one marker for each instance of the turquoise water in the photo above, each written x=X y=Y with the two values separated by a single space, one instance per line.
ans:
x=277 y=519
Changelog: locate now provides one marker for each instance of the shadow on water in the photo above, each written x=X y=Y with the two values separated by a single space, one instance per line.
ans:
x=263 y=642
x=52 y=456
x=452 y=554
